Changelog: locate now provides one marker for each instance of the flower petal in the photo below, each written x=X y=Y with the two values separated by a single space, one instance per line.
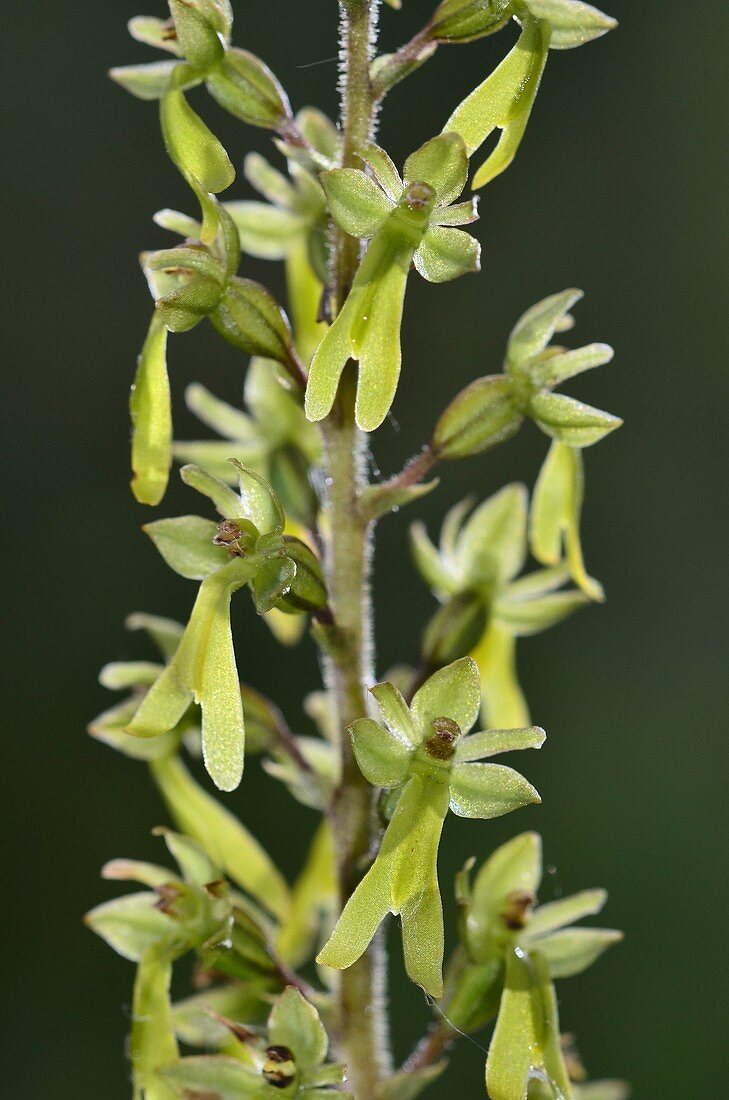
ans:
x=452 y=692
x=489 y=790
x=445 y=254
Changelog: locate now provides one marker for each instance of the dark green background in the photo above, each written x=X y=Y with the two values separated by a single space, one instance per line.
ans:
x=619 y=188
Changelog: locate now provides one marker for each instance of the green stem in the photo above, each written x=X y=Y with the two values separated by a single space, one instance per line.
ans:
x=361 y=1018
x=358 y=21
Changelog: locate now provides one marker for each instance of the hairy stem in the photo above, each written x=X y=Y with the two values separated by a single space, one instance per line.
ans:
x=415 y=470
x=361 y=1020
x=432 y=1048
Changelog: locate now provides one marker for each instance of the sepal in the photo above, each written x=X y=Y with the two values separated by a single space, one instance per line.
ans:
x=573 y=950
x=535 y=328
x=150 y=81
x=383 y=757
x=569 y=421
x=486 y=791
x=199 y=25
x=131 y=924
x=442 y=163
x=573 y=22
x=445 y=254
x=160 y=33
x=357 y=204
x=187 y=545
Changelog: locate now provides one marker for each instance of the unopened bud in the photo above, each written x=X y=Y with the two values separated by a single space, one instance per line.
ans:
x=455 y=629
x=481 y=416
x=243 y=85
x=308 y=591
x=290 y=479
x=467 y=20
x=250 y=318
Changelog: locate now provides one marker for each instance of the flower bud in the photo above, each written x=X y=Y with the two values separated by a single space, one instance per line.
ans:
x=243 y=85
x=455 y=629
x=481 y=416
x=308 y=591
x=289 y=477
x=467 y=20
x=263 y=720
x=475 y=998
x=251 y=319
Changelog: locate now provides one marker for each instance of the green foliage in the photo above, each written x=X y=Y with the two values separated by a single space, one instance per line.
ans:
x=289 y=1059
x=295 y=511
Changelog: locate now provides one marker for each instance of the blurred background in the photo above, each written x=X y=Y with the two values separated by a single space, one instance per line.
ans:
x=619 y=189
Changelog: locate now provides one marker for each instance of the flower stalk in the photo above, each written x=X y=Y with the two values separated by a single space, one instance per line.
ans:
x=361 y=1020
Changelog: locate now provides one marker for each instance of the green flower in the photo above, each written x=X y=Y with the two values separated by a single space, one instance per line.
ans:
x=195 y=812
x=189 y=283
x=193 y=910
x=247 y=548
x=273 y=437
x=290 y=1061
x=515 y=951
x=486 y=604
x=492 y=409
x=409 y=221
x=535 y=368
x=178 y=912
x=296 y=206
x=505 y=99
x=423 y=753
x=198 y=34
